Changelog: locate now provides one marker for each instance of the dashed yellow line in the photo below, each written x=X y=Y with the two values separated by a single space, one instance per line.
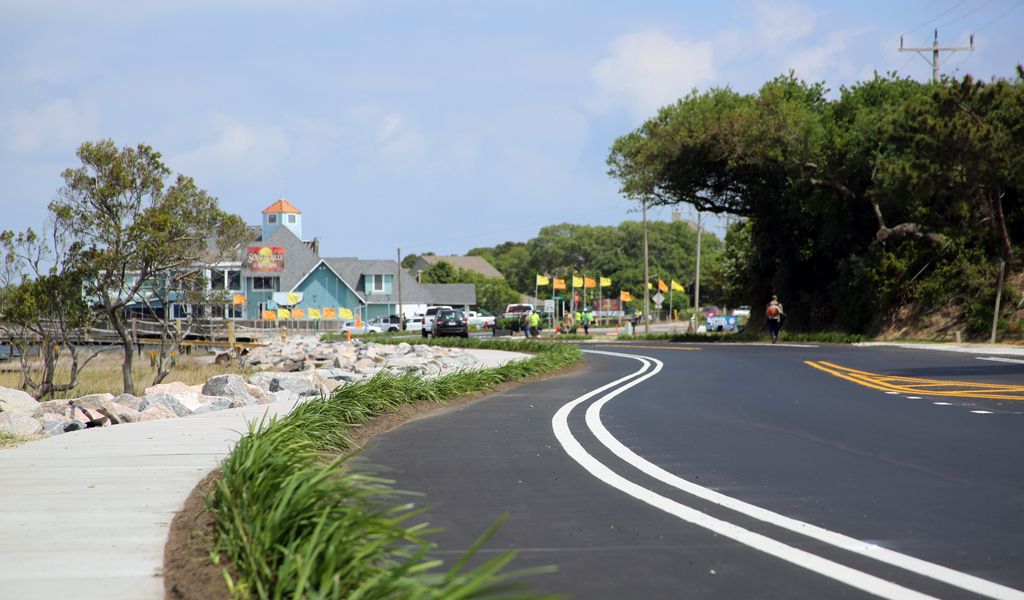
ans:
x=924 y=387
x=655 y=347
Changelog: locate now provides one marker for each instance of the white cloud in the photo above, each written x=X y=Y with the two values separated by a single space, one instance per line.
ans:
x=55 y=126
x=647 y=70
x=237 y=152
x=779 y=25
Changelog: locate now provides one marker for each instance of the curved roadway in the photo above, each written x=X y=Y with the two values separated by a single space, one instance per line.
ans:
x=739 y=471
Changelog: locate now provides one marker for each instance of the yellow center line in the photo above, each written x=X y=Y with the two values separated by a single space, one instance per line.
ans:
x=655 y=347
x=924 y=387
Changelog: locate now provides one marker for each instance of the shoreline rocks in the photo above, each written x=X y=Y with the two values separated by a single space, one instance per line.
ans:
x=287 y=371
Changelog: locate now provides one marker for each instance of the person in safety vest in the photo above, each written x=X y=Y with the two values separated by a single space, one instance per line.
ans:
x=775 y=317
x=585 y=318
x=534 y=324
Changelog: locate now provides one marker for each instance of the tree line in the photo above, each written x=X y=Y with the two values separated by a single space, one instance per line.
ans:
x=614 y=252
x=892 y=203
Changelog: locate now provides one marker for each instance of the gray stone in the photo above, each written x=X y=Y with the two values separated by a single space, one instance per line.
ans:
x=229 y=386
x=74 y=425
x=170 y=402
x=300 y=388
x=262 y=379
x=214 y=406
x=289 y=366
x=18 y=423
x=17 y=401
x=52 y=428
x=129 y=401
x=283 y=396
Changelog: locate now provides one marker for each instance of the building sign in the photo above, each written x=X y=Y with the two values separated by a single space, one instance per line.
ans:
x=265 y=259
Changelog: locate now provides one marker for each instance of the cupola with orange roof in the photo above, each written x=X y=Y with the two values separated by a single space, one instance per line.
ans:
x=282 y=213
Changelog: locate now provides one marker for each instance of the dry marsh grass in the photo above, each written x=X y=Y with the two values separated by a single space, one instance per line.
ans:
x=103 y=373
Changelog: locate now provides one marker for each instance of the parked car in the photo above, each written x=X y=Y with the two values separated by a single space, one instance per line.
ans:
x=743 y=311
x=515 y=311
x=414 y=323
x=450 y=322
x=481 y=318
x=350 y=326
x=388 y=323
x=428 y=318
x=711 y=311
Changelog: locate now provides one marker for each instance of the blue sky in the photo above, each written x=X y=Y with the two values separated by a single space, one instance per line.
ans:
x=426 y=126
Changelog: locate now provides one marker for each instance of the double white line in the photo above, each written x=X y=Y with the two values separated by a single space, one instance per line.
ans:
x=833 y=570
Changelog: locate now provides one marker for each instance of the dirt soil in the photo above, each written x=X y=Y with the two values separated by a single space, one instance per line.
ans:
x=189 y=574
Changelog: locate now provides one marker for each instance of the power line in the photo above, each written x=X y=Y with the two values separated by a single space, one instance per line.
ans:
x=919 y=27
x=967 y=15
x=1001 y=16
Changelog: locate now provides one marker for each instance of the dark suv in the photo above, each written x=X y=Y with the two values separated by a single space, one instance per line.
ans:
x=451 y=322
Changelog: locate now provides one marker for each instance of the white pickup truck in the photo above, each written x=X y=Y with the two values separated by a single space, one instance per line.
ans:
x=515 y=311
x=480 y=319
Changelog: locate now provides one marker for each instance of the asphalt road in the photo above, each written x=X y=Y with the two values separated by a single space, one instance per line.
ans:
x=737 y=472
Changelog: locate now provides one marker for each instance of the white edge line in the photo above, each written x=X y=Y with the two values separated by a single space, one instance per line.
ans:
x=922 y=567
x=812 y=562
x=998 y=359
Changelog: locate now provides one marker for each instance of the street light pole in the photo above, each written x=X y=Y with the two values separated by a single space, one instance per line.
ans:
x=647 y=296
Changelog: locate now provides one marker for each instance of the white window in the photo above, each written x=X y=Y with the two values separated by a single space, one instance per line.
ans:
x=235 y=280
x=291 y=219
x=378 y=283
x=272 y=219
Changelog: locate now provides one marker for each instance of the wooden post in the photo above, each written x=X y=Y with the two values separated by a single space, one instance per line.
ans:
x=284 y=333
x=231 y=336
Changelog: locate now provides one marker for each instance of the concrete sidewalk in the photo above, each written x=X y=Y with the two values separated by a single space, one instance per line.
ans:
x=85 y=515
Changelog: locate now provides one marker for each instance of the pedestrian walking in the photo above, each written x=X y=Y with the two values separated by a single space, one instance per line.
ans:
x=526 y=322
x=567 y=322
x=586 y=323
x=534 y=324
x=775 y=316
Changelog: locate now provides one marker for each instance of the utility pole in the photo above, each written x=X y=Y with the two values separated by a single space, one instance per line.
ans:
x=401 y=313
x=934 y=62
x=696 y=291
x=647 y=292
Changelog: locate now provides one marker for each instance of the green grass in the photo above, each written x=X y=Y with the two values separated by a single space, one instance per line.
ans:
x=694 y=338
x=296 y=522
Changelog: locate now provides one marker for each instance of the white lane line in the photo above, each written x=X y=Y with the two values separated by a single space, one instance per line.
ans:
x=943 y=403
x=937 y=572
x=913 y=397
x=999 y=359
x=982 y=412
x=892 y=392
x=812 y=562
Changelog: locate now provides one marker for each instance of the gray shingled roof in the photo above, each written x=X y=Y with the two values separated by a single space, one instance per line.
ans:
x=299 y=260
x=470 y=263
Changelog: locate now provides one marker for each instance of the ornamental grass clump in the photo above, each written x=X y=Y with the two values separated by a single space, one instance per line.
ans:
x=294 y=521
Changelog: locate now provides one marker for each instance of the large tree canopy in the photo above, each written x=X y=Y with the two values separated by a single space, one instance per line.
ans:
x=891 y=178
x=143 y=243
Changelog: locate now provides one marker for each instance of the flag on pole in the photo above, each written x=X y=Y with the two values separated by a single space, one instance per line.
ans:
x=269 y=315
x=677 y=287
x=577 y=281
x=298 y=313
x=542 y=280
x=329 y=313
x=238 y=299
x=283 y=313
x=314 y=313
x=661 y=286
x=344 y=313
x=293 y=298
x=624 y=296
x=559 y=284
x=650 y=285
x=589 y=283
x=605 y=281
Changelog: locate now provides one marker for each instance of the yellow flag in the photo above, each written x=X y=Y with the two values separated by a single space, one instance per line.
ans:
x=650 y=285
x=238 y=299
x=329 y=313
x=605 y=281
x=269 y=315
x=298 y=313
x=589 y=283
x=577 y=281
x=661 y=286
x=314 y=313
x=542 y=280
x=293 y=298
x=624 y=296
x=344 y=313
x=559 y=284
x=283 y=313
x=677 y=287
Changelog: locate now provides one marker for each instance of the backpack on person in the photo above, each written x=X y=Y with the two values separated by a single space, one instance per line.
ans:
x=773 y=311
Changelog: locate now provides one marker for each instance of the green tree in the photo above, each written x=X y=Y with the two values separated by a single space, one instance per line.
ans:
x=43 y=306
x=137 y=235
x=441 y=272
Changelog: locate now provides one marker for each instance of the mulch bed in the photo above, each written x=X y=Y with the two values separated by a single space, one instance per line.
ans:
x=189 y=574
